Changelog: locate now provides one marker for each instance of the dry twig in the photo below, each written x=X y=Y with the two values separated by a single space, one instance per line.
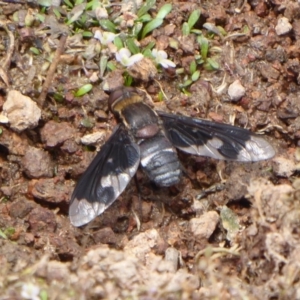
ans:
x=55 y=61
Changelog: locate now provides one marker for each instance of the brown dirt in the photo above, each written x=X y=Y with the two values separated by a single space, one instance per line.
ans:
x=239 y=240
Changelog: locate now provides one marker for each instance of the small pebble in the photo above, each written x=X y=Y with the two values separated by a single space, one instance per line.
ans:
x=205 y=225
x=21 y=112
x=93 y=138
x=236 y=91
x=283 y=167
x=283 y=26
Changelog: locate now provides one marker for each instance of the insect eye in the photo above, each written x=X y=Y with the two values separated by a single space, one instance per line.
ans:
x=119 y=93
x=114 y=96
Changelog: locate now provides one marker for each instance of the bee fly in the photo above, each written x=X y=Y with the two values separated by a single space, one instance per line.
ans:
x=148 y=138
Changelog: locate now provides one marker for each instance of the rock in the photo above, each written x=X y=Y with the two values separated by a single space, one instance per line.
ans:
x=93 y=138
x=205 y=225
x=69 y=146
x=37 y=163
x=144 y=70
x=236 y=91
x=51 y=190
x=42 y=219
x=16 y=144
x=283 y=26
x=20 y=208
x=100 y=115
x=172 y=257
x=113 y=80
x=54 y=134
x=142 y=243
x=275 y=201
x=21 y=111
x=105 y=236
x=65 y=247
x=283 y=167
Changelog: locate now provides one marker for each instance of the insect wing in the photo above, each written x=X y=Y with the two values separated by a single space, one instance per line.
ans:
x=105 y=178
x=216 y=140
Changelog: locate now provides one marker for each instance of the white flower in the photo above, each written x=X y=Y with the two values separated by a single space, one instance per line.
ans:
x=161 y=58
x=104 y=37
x=30 y=291
x=126 y=59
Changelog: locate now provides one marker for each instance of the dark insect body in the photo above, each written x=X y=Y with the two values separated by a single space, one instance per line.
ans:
x=148 y=138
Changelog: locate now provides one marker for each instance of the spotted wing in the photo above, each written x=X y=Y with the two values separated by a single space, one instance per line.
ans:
x=216 y=140
x=106 y=177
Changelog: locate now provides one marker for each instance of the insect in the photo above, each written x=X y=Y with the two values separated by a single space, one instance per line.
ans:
x=148 y=138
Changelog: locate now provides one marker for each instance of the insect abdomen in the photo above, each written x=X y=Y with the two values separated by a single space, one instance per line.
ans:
x=159 y=160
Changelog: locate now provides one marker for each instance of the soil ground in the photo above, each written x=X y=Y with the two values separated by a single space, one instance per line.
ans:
x=238 y=240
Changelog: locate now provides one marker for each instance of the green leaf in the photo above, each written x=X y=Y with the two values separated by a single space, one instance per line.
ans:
x=145 y=18
x=137 y=28
x=132 y=47
x=41 y=17
x=164 y=10
x=111 y=66
x=173 y=43
x=194 y=17
x=196 y=75
x=3 y=235
x=180 y=71
x=57 y=13
x=83 y=90
x=9 y=231
x=230 y=222
x=128 y=80
x=148 y=5
x=222 y=30
x=193 y=67
x=68 y=3
x=160 y=96
x=43 y=295
x=213 y=64
x=185 y=29
x=108 y=25
x=34 y=50
x=103 y=65
x=93 y=5
x=58 y=97
x=76 y=12
x=46 y=3
x=185 y=92
x=186 y=83
x=87 y=34
x=196 y=31
x=245 y=29
x=118 y=42
x=148 y=53
x=203 y=42
x=149 y=47
x=151 y=26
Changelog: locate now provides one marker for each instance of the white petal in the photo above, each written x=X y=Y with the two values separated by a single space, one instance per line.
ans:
x=124 y=52
x=98 y=35
x=108 y=37
x=154 y=52
x=123 y=56
x=135 y=58
x=162 y=54
x=167 y=63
